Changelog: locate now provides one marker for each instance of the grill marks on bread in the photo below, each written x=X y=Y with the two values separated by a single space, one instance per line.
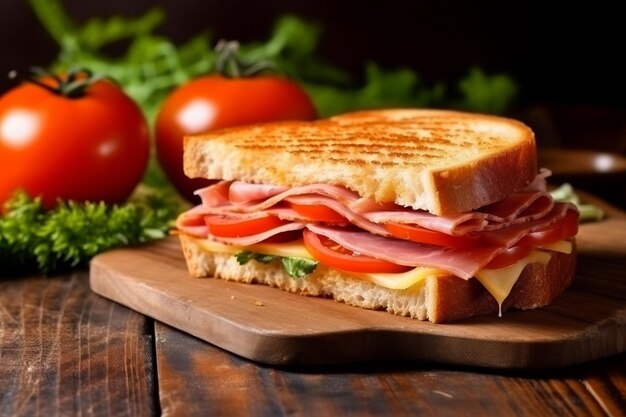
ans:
x=407 y=142
x=440 y=161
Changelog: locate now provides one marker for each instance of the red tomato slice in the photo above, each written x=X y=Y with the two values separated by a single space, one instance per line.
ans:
x=564 y=229
x=318 y=213
x=421 y=235
x=336 y=256
x=508 y=257
x=224 y=226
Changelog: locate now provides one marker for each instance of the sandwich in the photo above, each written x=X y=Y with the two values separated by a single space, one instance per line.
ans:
x=431 y=214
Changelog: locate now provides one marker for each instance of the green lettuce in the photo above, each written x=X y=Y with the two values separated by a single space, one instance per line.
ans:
x=294 y=266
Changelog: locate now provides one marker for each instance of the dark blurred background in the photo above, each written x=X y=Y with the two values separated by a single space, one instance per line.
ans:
x=567 y=60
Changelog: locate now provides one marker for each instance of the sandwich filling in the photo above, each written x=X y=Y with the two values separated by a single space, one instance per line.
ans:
x=390 y=245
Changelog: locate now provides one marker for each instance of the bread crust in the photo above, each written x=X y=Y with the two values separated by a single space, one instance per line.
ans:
x=441 y=161
x=437 y=299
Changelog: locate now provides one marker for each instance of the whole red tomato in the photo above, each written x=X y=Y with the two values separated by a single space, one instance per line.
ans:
x=86 y=144
x=215 y=101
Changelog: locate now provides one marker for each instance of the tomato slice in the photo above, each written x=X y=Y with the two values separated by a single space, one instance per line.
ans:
x=508 y=257
x=225 y=226
x=318 y=213
x=336 y=256
x=564 y=229
x=422 y=235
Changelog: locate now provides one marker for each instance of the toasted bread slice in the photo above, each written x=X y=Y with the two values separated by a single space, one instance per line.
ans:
x=438 y=299
x=441 y=161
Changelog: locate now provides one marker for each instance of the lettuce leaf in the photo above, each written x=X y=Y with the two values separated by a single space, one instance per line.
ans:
x=294 y=266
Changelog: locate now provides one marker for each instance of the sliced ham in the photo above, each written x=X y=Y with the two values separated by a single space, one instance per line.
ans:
x=259 y=237
x=366 y=205
x=238 y=197
x=351 y=216
x=452 y=225
x=340 y=194
x=513 y=233
x=242 y=193
x=501 y=224
x=517 y=208
x=286 y=213
x=460 y=262
x=192 y=222
x=215 y=195
x=540 y=182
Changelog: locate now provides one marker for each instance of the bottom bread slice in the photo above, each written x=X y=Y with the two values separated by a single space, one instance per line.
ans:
x=437 y=299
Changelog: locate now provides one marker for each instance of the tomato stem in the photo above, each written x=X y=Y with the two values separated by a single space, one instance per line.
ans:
x=73 y=85
x=229 y=63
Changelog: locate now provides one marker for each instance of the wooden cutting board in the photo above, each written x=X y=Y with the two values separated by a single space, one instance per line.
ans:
x=274 y=327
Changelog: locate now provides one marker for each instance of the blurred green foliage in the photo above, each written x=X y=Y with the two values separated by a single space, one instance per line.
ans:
x=153 y=65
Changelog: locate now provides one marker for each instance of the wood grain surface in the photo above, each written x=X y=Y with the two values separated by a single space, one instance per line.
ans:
x=67 y=352
x=274 y=327
x=64 y=351
x=227 y=385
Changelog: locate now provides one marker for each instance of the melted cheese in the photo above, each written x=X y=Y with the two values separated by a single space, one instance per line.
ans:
x=563 y=246
x=295 y=248
x=498 y=282
x=401 y=281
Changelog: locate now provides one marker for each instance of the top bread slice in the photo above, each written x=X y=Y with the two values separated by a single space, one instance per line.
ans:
x=441 y=161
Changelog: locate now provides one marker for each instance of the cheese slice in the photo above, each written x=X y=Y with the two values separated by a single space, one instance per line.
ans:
x=288 y=249
x=563 y=246
x=403 y=280
x=498 y=282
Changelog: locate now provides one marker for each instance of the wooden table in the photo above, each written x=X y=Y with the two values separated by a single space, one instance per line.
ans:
x=66 y=351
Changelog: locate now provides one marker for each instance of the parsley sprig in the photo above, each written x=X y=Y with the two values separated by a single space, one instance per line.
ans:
x=32 y=239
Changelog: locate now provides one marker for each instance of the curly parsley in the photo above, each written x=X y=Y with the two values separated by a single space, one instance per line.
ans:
x=32 y=239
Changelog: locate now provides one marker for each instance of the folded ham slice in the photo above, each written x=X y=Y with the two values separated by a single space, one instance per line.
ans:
x=516 y=208
x=237 y=198
x=260 y=237
x=247 y=197
x=501 y=225
x=463 y=263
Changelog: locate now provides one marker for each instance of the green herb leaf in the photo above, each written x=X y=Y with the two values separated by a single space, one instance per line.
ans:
x=32 y=239
x=244 y=257
x=588 y=212
x=297 y=267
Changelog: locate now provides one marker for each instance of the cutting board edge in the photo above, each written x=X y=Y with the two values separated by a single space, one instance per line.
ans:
x=289 y=349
